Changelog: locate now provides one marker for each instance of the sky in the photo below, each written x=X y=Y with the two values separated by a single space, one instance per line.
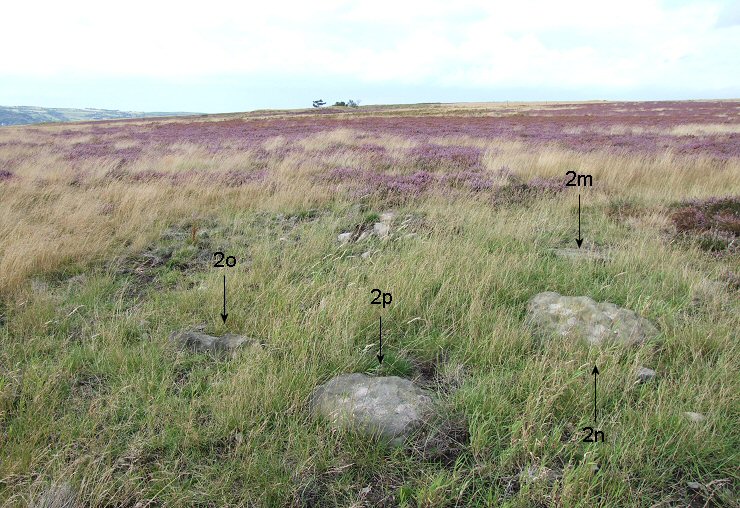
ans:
x=225 y=56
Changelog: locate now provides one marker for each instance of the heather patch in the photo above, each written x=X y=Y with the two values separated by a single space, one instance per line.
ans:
x=374 y=182
x=230 y=178
x=515 y=191
x=714 y=222
x=617 y=127
x=433 y=157
x=237 y=178
x=102 y=149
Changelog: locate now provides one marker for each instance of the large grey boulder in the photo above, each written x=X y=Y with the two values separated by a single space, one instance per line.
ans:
x=386 y=407
x=580 y=317
x=202 y=343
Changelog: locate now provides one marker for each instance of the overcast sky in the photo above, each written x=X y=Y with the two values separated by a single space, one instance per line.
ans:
x=223 y=56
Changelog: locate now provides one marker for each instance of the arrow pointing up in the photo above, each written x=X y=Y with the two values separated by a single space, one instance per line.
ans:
x=595 y=372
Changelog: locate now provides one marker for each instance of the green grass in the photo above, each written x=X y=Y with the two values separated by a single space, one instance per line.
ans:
x=92 y=391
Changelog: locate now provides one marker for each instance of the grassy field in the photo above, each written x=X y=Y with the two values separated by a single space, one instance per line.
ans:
x=107 y=235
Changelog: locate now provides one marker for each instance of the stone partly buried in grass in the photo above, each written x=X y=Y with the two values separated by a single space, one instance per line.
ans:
x=390 y=408
x=574 y=254
x=580 y=317
x=202 y=343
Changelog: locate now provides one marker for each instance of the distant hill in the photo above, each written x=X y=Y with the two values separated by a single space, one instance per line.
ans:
x=23 y=115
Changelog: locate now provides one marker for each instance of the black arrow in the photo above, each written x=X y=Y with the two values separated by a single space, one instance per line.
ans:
x=579 y=240
x=224 y=315
x=595 y=372
x=380 y=354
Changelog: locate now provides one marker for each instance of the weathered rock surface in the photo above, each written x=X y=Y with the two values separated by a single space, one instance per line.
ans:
x=387 y=407
x=582 y=254
x=580 y=317
x=644 y=374
x=59 y=495
x=200 y=342
x=344 y=238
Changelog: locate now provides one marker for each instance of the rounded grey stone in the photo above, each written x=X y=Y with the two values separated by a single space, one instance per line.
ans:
x=582 y=318
x=386 y=407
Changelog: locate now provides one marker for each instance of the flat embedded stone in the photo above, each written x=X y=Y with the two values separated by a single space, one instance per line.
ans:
x=581 y=254
x=200 y=342
x=387 y=407
x=582 y=318
x=644 y=375
x=694 y=417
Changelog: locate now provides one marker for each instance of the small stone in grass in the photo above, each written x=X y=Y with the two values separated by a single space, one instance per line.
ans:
x=581 y=254
x=693 y=486
x=539 y=473
x=200 y=342
x=344 y=238
x=387 y=217
x=694 y=417
x=365 y=255
x=382 y=229
x=644 y=375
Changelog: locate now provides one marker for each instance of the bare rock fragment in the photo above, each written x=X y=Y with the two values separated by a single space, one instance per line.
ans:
x=344 y=238
x=644 y=375
x=387 y=407
x=694 y=417
x=582 y=318
x=382 y=229
x=387 y=217
x=539 y=473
